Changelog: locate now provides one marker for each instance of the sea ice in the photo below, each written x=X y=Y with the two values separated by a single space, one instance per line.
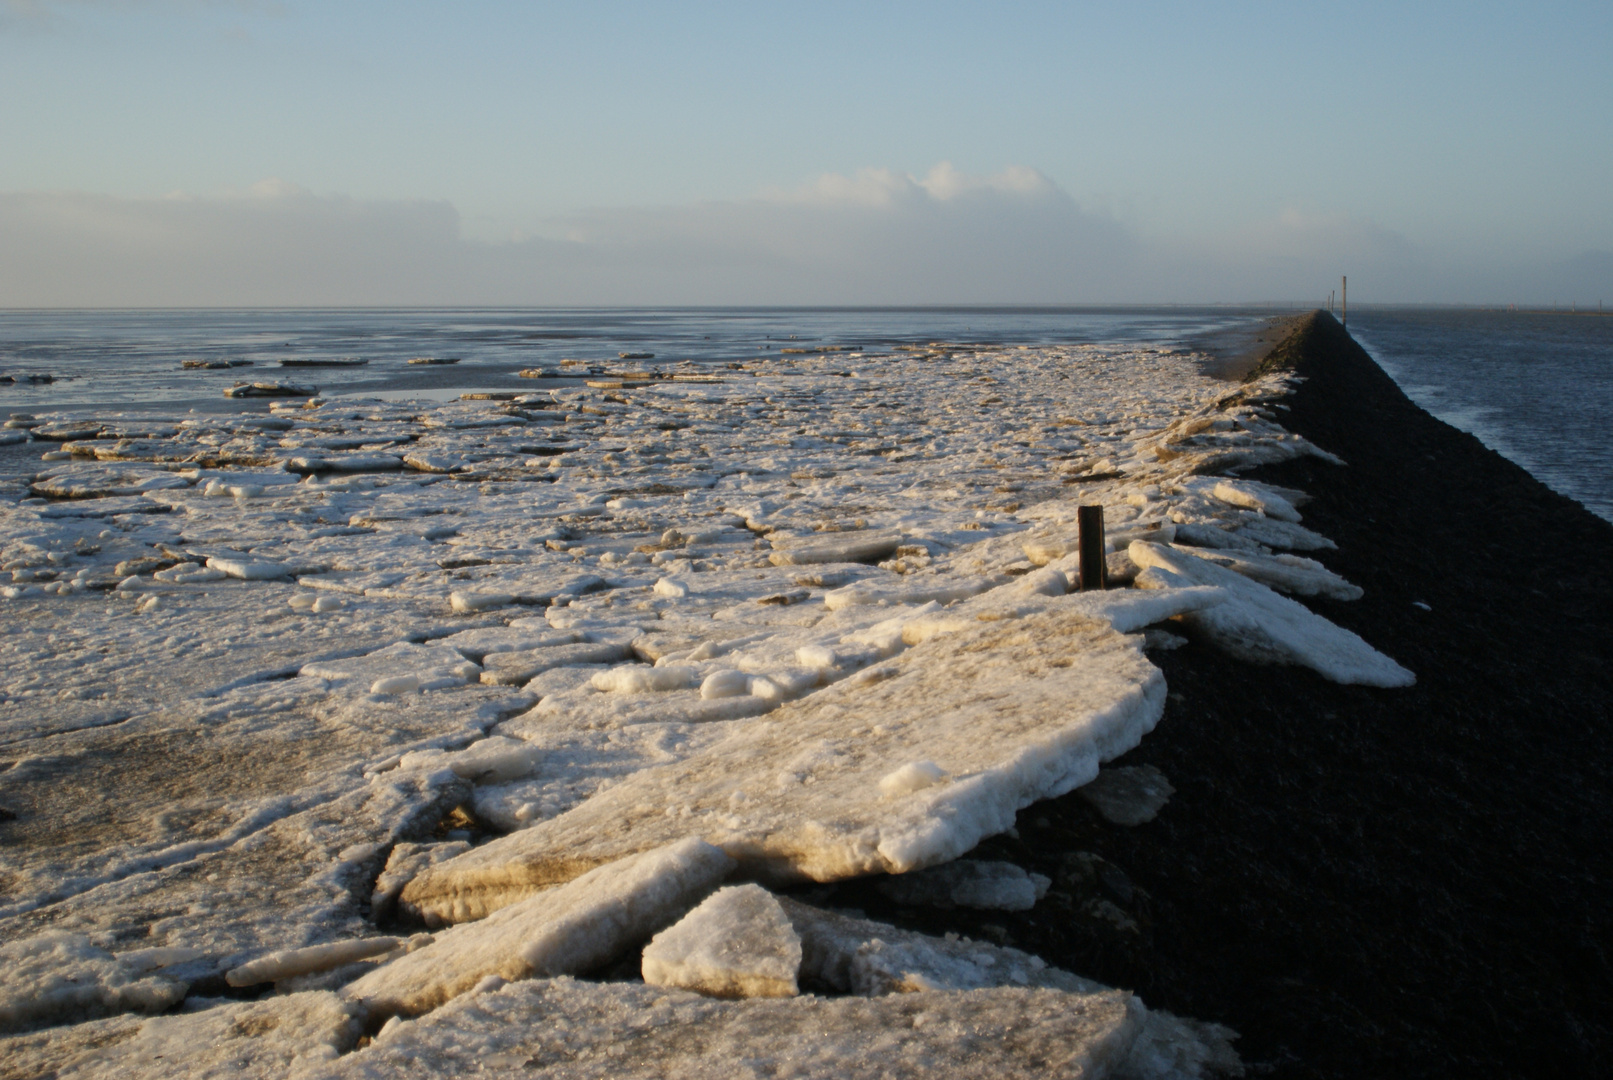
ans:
x=627 y=1031
x=293 y=1037
x=737 y=943
x=433 y=667
x=1257 y=625
x=290 y=963
x=1290 y=573
x=969 y=883
x=1011 y=711
x=570 y=929
x=252 y=658
x=61 y=977
x=1129 y=794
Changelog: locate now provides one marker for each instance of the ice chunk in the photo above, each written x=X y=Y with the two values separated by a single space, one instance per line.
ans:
x=292 y=962
x=942 y=590
x=914 y=776
x=639 y=679
x=834 y=548
x=402 y=865
x=1126 y=610
x=1283 y=534
x=1255 y=497
x=574 y=1030
x=1128 y=795
x=970 y=883
x=1257 y=625
x=518 y=668
x=494 y=760
x=1013 y=711
x=737 y=943
x=58 y=977
x=433 y=666
x=859 y=956
x=1202 y=534
x=573 y=928
x=1290 y=573
x=479 y=643
x=467 y=602
x=725 y=683
x=396 y=684
x=249 y=569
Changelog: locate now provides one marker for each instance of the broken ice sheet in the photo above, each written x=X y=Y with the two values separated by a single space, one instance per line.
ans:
x=1011 y=711
x=1128 y=794
x=278 y=1037
x=573 y=928
x=737 y=943
x=850 y=954
x=629 y=1030
x=299 y=785
x=969 y=883
x=1258 y=625
x=61 y=977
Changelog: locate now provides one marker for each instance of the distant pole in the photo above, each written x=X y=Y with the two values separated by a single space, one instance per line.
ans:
x=1344 y=302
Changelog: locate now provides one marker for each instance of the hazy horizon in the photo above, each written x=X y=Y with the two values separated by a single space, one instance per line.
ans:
x=178 y=153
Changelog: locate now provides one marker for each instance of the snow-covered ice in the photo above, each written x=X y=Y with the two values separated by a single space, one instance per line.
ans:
x=1026 y=709
x=1257 y=625
x=269 y=680
x=737 y=943
x=570 y=929
x=570 y=1030
x=279 y=1038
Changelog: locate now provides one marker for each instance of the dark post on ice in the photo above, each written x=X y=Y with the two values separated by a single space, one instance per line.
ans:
x=1089 y=538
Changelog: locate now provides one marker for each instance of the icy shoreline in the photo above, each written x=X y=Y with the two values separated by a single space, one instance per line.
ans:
x=818 y=617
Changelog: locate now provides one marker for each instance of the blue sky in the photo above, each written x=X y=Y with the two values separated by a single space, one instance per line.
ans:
x=1159 y=151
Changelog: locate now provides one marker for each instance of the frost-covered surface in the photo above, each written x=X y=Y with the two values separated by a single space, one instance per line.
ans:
x=270 y=677
x=571 y=929
x=860 y=956
x=737 y=943
x=1257 y=625
x=279 y=1038
x=889 y=772
x=615 y=1031
x=61 y=975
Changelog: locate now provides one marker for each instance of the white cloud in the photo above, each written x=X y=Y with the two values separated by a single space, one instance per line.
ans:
x=876 y=237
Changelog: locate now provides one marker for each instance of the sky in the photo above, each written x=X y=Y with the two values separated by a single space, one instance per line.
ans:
x=272 y=152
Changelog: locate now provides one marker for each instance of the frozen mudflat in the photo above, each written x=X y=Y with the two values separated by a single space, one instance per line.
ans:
x=280 y=692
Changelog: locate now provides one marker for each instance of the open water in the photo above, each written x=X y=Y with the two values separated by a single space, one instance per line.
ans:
x=1536 y=387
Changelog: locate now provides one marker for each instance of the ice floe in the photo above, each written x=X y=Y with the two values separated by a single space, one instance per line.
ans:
x=548 y=665
x=738 y=943
x=571 y=1029
x=1257 y=625
x=573 y=928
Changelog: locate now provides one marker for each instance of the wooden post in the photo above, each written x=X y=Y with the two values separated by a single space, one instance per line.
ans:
x=1344 y=302
x=1089 y=540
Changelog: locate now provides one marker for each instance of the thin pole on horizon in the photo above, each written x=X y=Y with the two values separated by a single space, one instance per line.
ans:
x=1344 y=302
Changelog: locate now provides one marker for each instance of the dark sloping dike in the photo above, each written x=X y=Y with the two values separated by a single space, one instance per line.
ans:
x=1374 y=883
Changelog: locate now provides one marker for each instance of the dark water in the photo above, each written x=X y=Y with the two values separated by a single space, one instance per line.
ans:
x=134 y=357
x=1536 y=387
